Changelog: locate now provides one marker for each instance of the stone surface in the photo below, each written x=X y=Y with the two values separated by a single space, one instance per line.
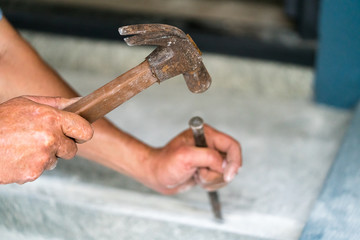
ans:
x=288 y=146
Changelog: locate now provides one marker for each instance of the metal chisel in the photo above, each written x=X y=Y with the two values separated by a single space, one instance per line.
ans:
x=197 y=126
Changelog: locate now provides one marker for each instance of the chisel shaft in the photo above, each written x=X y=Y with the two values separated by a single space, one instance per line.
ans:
x=197 y=126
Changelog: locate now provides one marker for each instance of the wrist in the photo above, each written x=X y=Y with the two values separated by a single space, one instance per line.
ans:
x=117 y=150
x=146 y=171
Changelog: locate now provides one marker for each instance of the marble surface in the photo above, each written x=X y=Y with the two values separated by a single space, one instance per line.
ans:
x=288 y=145
x=288 y=149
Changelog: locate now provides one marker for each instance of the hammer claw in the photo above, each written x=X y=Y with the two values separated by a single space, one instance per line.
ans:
x=150 y=40
x=145 y=29
x=176 y=53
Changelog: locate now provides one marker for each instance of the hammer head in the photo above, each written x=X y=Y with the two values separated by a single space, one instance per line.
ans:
x=176 y=53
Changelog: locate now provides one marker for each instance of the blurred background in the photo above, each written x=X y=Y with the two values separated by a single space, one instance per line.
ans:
x=285 y=84
x=282 y=30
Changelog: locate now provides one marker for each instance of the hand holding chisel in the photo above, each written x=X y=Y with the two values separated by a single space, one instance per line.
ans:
x=197 y=126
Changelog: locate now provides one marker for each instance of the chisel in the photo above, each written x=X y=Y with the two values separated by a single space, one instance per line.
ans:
x=197 y=127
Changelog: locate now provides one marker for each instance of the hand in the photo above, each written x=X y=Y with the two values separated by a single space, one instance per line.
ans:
x=180 y=165
x=34 y=133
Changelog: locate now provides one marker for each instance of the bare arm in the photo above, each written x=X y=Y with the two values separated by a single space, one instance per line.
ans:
x=168 y=170
x=23 y=72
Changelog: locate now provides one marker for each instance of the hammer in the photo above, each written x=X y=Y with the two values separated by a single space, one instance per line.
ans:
x=176 y=54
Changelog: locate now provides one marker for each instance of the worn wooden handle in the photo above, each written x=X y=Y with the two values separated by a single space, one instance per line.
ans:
x=108 y=97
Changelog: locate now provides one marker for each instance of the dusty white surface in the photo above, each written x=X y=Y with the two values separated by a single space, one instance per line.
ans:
x=154 y=208
x=288 y=145
x=288 y=148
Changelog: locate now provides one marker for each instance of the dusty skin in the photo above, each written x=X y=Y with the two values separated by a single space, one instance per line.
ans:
x=180 y=165
x=171 y=169
x=34 y=135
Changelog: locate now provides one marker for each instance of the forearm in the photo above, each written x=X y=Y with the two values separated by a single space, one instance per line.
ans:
x=170 y=169
x=117 y=150
x=23 y=72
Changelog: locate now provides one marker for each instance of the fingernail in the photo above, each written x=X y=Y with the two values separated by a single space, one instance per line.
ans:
x=53 y=166
x=224 y=163
x=230 y=176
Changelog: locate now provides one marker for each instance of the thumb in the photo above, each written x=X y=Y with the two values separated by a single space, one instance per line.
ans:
x=76 y=127
x=55 y=102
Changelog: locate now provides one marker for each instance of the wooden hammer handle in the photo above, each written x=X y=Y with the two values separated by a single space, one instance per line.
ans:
x=108 y=97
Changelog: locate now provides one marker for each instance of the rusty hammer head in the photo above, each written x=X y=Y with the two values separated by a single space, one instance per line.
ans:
x=176 y=53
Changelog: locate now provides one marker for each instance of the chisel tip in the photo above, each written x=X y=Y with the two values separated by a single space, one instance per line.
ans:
x=215 y=205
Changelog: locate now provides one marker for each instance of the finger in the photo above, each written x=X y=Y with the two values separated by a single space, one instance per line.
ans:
x=185 y=186
x=55 y=102
x=73 y=125
x=204 y=157
x=51 y=164
x=34 y=171
x=210 y=186
x=205 y=176
x=67 y=149
x=231 y=170
x=225 y=143
x=76 y=127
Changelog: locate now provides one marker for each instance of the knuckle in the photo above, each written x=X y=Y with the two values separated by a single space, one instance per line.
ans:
x=50 y=140
x=47 y=114
x=43 y=160
x=184 y=156
x=212 y=156
x=32 y=174
x=45 y=138
x=229 y=140
x=182 y=152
